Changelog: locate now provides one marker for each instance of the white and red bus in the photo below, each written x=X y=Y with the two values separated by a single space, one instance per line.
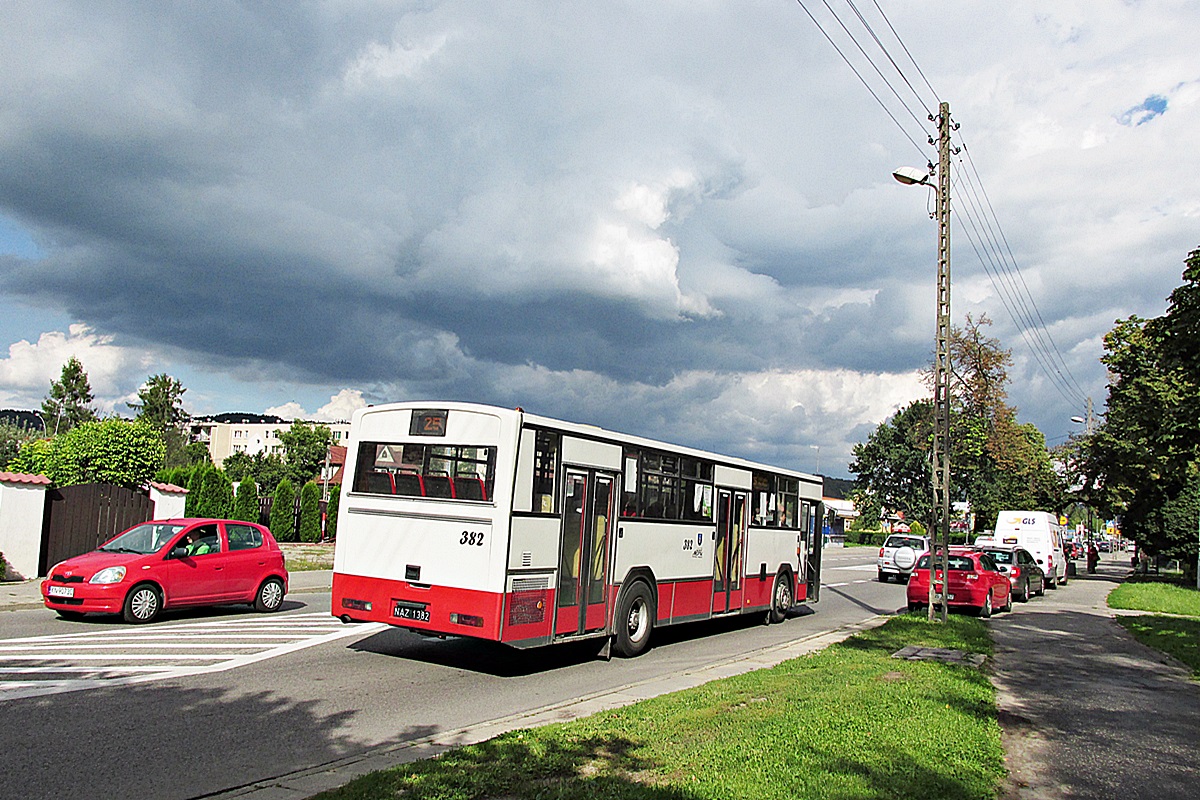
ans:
x=469 y=520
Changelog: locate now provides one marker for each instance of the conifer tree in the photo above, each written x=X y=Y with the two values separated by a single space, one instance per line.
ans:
x=283 y=512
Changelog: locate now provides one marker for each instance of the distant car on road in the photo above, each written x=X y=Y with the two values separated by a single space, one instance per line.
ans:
x=975 y=583
x=171 y=564
x=899 y=555
x=1026 y=577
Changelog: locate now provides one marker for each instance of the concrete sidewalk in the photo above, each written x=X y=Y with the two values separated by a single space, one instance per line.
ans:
x=1086 y=710
x=28 y=594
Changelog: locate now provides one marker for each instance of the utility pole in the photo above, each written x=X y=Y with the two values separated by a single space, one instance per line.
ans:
x=941 y=377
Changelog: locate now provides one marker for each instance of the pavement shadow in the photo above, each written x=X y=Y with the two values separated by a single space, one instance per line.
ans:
x=503 y=661
x=156 y=741
x=1114 y=717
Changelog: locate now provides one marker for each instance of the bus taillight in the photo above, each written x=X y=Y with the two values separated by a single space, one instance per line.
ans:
x=356 y=605
x=470 y=620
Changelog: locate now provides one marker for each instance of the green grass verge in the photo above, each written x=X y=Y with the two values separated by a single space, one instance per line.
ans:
x=306 y=565
x=1178 y=638
x=846 y=722
x=1161 y=598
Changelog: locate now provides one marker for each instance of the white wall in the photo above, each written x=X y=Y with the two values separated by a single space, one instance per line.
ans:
x=167 y=505
x=21 y=509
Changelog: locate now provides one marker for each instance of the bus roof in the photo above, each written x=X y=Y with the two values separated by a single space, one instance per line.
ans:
x=585 y=430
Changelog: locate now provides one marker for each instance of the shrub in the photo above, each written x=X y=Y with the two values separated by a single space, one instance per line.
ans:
x=331 y=513
x=245 y=504
x=283 y=512
x=310 y=513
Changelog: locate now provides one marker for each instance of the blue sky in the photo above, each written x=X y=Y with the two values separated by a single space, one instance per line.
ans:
x=675 y=219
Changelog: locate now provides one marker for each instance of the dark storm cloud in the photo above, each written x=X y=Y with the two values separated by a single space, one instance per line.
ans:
x=666 y=202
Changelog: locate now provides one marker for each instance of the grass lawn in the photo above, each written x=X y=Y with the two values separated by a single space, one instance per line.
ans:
x=846 y=722
x=1161 y=598
x=300 y=557
x=1179 y=638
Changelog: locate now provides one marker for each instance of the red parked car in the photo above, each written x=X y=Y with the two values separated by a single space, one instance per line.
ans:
x=171 y=564
x=976 y=582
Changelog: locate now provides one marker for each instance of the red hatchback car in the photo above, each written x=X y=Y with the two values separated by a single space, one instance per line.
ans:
x=976 y=582
x=171 y=564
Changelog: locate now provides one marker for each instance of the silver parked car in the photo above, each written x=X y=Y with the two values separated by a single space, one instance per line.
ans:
x=899 y=555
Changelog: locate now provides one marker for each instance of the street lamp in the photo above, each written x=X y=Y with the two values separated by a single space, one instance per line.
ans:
x=911 y=176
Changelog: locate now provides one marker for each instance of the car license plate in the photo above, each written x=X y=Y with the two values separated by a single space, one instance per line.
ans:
x=62 y=591
x=410 y=612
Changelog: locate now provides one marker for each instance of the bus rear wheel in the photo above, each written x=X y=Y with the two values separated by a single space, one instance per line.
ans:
x=634 y=620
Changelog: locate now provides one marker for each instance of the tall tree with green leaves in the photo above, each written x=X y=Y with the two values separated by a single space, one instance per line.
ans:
x=283 y=512
x=893 y=465
x=1143 y=461
x=69 y=402
x=161 y=406
x=305 y=447
x=996 y=462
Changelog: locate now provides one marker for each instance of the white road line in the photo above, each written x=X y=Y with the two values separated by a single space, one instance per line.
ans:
x=60 y=654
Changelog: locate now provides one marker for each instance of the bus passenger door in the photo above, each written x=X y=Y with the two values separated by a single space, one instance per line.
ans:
x=583 y=559
x=727 y=550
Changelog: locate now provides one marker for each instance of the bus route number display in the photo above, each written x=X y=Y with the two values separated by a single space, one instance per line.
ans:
x=428 y=423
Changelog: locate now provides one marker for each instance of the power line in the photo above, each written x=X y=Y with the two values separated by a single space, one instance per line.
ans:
x=985 y=233
x=857 y=74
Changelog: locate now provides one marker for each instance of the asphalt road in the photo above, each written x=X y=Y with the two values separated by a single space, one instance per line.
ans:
x=192 y=735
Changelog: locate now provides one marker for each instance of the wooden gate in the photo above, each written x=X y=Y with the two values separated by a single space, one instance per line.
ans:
x=80 y=518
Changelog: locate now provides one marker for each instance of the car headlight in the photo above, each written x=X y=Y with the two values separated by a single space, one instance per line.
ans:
x=109 y=575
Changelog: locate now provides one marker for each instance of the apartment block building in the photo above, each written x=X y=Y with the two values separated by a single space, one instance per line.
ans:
x=226 y=434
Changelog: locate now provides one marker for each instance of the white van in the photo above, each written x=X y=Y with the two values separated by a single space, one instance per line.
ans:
x=1038 y=532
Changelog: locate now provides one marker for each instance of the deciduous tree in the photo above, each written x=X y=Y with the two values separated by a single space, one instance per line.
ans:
x=305 y=446
x=112 y=451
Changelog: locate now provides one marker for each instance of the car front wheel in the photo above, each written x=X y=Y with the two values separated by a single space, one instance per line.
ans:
x=270 y=596
x=142 y=604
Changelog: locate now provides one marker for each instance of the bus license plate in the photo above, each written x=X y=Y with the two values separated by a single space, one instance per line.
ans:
x=61 y=591
x=408 y=612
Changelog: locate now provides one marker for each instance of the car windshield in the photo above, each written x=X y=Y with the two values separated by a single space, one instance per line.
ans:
x=905 y=541
x=1002 y=556
x=147 y=538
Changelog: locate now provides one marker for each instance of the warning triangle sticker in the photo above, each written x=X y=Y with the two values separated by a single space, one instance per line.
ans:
x=384 y=457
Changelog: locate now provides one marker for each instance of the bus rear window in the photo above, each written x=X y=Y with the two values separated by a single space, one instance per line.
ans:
x=438 y=471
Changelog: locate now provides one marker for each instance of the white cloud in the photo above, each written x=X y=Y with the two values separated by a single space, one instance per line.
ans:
x=341 y=406
x=26 y=375
x=289 y=410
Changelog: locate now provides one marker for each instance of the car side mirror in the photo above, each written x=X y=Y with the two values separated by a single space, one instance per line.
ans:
x=179 y=552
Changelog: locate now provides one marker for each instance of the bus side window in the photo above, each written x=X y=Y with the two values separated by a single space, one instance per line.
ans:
x=468 y=487
x=379 y=483
x=410 y=484
x=438 y=486
x=545 y=471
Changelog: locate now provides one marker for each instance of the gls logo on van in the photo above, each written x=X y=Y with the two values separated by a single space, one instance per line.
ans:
x=1021 y=521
